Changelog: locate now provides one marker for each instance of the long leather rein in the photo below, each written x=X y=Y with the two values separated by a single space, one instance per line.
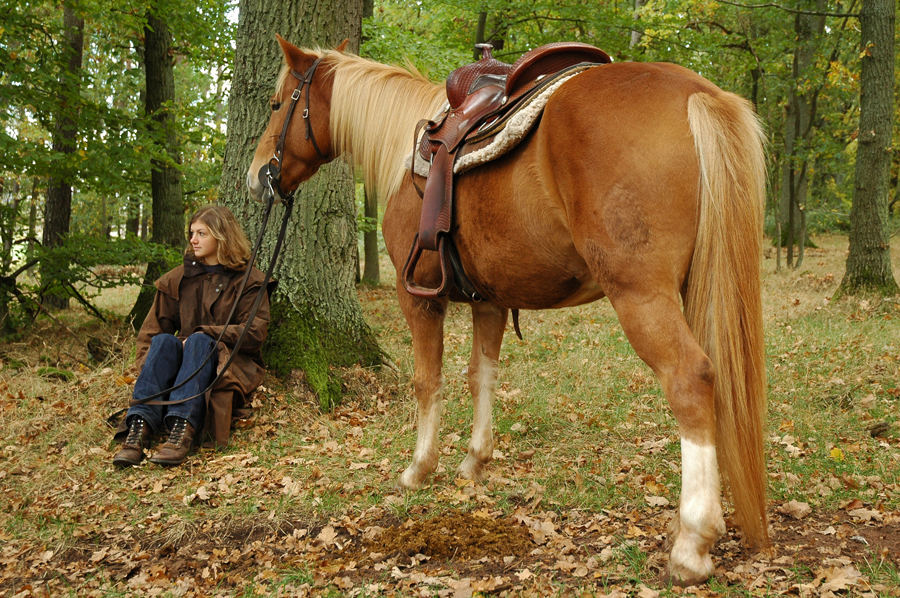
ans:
x=270 y=177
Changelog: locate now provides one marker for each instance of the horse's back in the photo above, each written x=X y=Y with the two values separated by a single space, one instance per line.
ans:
x=602 y=194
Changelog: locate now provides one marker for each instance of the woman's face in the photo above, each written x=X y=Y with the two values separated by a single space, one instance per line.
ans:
x=203 y=244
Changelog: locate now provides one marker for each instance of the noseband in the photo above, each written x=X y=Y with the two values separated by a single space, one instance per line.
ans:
x=270 y=174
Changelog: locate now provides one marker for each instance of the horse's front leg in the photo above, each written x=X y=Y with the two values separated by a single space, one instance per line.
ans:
x=426 y=324
x=488 y=324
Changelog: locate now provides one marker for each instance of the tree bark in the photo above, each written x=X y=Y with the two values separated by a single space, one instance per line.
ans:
x=479 y=34
x=636 y=34
x=165 y=174
x=133 y=216
x=58 y=209
x=371 y=273
x=9 y=222
x=317 y=322
x=869 y=259
x=32 y=220
x=798 y=126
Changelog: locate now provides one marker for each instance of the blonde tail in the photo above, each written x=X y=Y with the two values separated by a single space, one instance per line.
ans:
x=723 y=305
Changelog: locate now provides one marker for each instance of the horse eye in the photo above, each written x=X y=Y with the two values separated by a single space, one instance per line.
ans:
x=276 y=106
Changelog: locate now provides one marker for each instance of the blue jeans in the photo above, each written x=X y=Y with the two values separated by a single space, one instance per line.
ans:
x=168 y=363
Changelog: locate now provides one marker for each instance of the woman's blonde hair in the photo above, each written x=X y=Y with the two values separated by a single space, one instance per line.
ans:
x=233 y=250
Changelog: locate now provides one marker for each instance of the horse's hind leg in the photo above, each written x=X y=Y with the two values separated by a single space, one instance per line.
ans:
x=657 y=330
x=426 y=324
x=488 y=324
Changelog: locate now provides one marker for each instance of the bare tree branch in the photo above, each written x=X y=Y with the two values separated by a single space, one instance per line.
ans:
x=795 y=11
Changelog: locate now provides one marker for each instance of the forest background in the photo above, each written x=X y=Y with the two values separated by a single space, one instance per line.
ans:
x=299 y=492
x=89 y=123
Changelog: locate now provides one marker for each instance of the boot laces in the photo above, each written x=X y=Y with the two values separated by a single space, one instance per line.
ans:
x=135 y=432
x=178 y=430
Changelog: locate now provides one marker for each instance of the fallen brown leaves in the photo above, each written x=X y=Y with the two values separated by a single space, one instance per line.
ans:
x=303 y=504
x=469 y=549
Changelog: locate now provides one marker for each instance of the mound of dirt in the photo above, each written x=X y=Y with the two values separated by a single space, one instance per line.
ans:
x=454 y=535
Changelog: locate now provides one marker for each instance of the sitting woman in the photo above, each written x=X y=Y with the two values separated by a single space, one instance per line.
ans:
x=189 y=313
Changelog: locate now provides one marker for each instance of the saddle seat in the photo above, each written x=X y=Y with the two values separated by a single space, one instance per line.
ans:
x=489 y=87
x=478 y=95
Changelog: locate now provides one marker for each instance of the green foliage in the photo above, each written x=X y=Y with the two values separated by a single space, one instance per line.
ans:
x=385 y=39
x=116 y=141
x=95 y=264
x=81 y=268
x=745 y=50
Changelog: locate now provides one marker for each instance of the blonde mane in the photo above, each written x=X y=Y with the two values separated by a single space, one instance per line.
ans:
x=374 y=112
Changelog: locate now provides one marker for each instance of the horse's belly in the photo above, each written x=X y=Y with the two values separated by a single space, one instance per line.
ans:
x=521 y=282
x=520 y=253
x=589 y=291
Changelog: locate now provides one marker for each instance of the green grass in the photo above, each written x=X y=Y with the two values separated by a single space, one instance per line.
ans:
x=577 y=414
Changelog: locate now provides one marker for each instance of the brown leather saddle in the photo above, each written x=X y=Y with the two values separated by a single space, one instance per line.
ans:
x=480 y=95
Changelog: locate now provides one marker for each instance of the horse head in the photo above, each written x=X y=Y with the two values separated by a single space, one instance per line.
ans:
x=297 y=140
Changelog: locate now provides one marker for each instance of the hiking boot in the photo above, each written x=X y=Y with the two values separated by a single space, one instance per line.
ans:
x=132 y=451
x=176 y=448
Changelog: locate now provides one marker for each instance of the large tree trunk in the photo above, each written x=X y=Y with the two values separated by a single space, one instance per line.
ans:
x=636 y=34
x=371 y=273
x=58 y=208
x=869 y=260
x=316 y=318
x=165 y=176
x=798 y=128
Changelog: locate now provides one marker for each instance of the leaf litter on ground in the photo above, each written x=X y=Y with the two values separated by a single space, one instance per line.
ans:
x=303 y=503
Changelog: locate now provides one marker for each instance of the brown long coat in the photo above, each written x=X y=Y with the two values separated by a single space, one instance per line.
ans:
x=189 y=300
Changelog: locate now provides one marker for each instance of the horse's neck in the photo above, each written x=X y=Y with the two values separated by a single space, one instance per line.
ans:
x=375 y=111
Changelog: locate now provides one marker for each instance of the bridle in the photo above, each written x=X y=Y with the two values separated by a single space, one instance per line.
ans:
x=270 y=176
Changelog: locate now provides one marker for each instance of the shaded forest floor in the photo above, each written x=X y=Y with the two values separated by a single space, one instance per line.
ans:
x=585 y=477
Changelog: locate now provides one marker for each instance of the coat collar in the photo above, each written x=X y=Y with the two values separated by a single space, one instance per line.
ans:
x=193 y=267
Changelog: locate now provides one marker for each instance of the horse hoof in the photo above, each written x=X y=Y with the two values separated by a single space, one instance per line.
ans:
x=410 y=479
x=690 y=569
x=686 y=579
x=471 y=469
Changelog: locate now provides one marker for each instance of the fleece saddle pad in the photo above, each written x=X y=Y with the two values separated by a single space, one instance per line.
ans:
x=502 y=135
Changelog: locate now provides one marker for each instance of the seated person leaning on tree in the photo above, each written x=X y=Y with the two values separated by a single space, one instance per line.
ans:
x=189 y=312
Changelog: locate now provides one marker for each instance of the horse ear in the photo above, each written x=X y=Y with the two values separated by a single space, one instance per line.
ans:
x=282 y=42
x=342 y=47
x=292 y=54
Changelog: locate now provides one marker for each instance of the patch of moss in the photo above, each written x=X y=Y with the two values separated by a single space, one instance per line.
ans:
x=300 y=340
x=56 y=373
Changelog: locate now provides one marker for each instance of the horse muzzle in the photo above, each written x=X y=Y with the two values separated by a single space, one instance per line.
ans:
x=267 y=179
x=256 y=184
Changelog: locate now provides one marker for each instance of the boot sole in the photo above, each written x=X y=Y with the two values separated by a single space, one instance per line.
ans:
x=168 y=462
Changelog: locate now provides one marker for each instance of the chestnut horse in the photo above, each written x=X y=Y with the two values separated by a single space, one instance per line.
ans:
x=643 y=183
